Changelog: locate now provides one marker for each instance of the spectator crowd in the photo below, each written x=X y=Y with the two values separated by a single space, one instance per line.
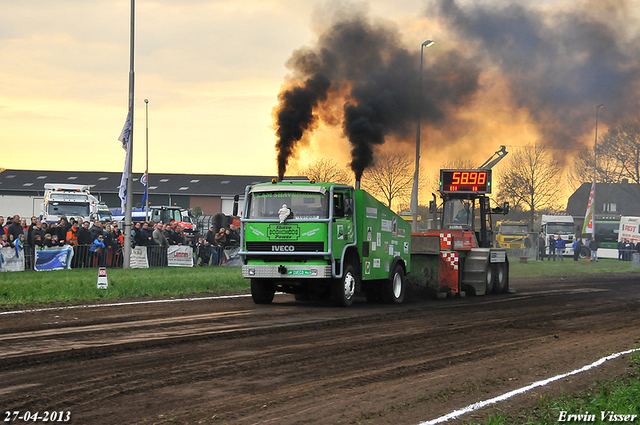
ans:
x=100 y=243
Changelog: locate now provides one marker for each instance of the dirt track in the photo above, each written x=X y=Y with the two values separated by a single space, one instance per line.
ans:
x=230 y=361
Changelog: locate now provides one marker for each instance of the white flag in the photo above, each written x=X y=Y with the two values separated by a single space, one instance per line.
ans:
x=125 y=138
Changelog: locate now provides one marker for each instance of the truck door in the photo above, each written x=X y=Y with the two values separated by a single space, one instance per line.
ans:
x=342 y=225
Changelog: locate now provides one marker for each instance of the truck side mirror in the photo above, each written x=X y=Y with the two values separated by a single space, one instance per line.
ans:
x=505 y=208
x=348 y=206
x=235 y=205
x=432 y=206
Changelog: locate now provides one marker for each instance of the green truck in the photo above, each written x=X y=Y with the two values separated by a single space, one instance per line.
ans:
x=323 y=240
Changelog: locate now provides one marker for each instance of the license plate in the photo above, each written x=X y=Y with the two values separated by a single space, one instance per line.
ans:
x=298 y=272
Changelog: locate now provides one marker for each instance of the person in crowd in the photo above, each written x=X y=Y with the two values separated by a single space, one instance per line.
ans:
x=178 y=236
x=96 y=229
x=628 y=249
x=210 y=238
x=203 y=249
x=137 y=238
x=560 y=245
x=15 y=229
x=620 y=247
x=541 y=245
x=593 y=246
x=116 y=246
x=232 y=237
x=147 y=234
x=4 y=242
x=84 y=242
x=160 y=239
x=48 y=243
x=3 y=231
x=62 y=228
x=552 y=248
x=221 y=237
x=577 y=247
x=38 y=242
x=94 y=251
x=72 y=239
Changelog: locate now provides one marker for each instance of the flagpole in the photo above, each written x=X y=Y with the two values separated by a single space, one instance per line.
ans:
x=129 y=200
x=146 y=167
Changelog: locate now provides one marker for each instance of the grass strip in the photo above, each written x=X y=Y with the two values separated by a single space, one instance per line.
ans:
x=25 y=288
x=618 y=396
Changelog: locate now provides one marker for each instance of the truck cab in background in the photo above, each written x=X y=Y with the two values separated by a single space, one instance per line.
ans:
x=559 y=224
x=69 y=200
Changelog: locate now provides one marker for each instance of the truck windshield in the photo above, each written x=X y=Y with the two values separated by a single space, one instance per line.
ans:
x=458 y=214
x=513 y=230
x=303 y=205
x=560 y=228
x=69 y=209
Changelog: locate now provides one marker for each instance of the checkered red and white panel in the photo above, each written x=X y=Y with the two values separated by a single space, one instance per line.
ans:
x=445 y=240
x=451 y=258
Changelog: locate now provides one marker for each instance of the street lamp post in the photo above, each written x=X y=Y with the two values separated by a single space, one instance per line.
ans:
x=414 y=190
x=595 y=143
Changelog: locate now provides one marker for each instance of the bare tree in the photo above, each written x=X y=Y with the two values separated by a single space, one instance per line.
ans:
x=622 y=146
x=391 y=178
x=581 y=171
x=531 y=179
x=327 y=170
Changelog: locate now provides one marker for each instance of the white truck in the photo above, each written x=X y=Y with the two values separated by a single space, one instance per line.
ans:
x=559 y=225
x=629 y=229
x=70 y=200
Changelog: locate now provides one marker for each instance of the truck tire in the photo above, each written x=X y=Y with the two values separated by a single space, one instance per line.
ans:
x=394 y=288
x=499 y=277
x=584 y=253
x=488 y=277
x=343 y=290
x=262 y=291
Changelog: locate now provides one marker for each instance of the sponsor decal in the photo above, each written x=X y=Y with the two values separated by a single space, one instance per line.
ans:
x=256 y=231
x=283 y=232
x=406 y=247
x=311 y=232
x=376 y=263
x=386 y=225
x=367 y=267
x=372 y=212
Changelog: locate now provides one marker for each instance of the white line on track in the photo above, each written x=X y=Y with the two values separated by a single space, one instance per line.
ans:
x=122 y=304
x=522 y=390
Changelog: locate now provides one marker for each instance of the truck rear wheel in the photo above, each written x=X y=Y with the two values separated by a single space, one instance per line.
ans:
x=262 y=291
x=488 y=278
x=394 y=288
x=343 y=290
x=499 y=277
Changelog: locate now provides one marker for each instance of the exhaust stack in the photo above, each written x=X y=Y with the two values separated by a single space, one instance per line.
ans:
x=357 y=184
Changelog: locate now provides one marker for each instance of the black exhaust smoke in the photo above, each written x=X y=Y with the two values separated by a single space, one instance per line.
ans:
x=295 y=115
x=559 y=62
x=364 y=70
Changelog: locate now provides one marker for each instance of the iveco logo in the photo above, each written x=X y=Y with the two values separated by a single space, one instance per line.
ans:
x=285 y=248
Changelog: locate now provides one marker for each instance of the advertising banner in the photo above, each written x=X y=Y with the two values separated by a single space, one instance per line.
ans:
x=53 y=258
x=179 y=256
x=11 y=259
x=138 y=258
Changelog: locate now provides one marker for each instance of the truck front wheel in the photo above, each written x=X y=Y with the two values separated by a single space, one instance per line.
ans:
x=262 y=291
x=344 y=289
x=394 y=288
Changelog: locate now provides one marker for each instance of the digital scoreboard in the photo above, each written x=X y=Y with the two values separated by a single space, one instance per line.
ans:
x=465 y=181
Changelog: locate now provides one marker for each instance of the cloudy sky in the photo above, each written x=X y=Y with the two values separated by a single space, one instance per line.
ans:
x=509 y=73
